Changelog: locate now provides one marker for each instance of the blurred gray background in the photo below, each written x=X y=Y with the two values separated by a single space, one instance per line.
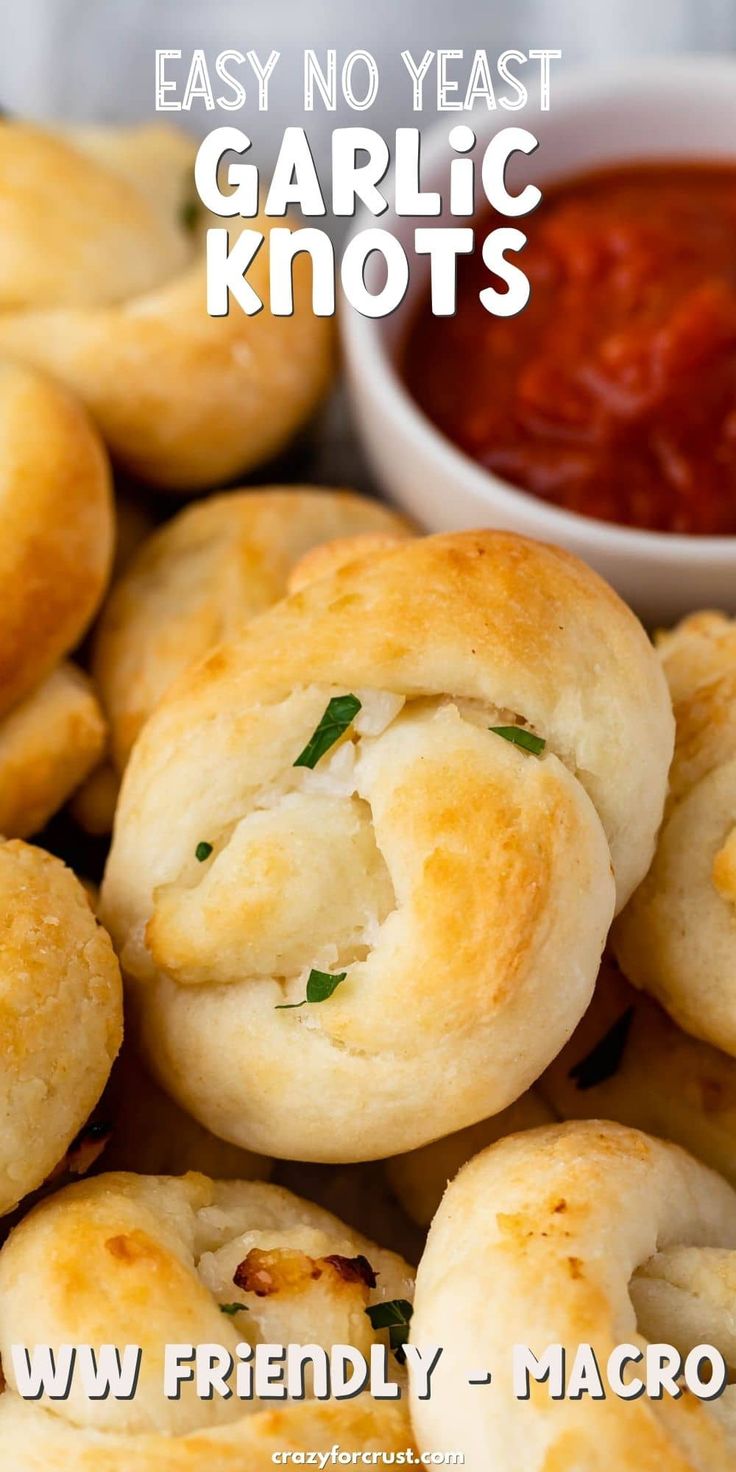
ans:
x=93 y=59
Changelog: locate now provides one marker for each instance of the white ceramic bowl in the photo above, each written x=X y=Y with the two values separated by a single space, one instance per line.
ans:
x=666 y=109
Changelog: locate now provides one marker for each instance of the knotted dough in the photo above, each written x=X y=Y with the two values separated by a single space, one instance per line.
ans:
x=102 y=283
x=60 y=1015
x=677 y=938
x=462 y=883
x=202 y=576
x=149 y=1134
x=49 y=742
x=626 y=1061
x=56 y=535
x=149 y=1260
x=584 y=1233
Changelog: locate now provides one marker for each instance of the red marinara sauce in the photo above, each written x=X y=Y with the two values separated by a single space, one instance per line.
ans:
x=613 y=393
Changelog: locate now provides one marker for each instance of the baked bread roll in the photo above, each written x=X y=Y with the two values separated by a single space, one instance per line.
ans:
x=201 y=577
x=145 y=1260
x=56 y=536
x=420 y=1177
x=421 y=877
x=93 y=803
x=150 y=1135
x=584 y=1233
x=56 y=526
x=37 y=1439
x=61 y=1002
x=105 y=288
x=49 y=743
x=677 y=938
x=626 y=1061
x=629 y=1062
x=328 y=557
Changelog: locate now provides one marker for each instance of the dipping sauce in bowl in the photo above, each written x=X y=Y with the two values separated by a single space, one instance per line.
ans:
x=613 y=394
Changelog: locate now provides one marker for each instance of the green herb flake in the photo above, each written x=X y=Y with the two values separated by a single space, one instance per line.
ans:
x=518 y=736
x=189 y=214
x=394 y=1315
x=202 y=852
x=340 y=713
x=231 y=1309
x=320 y=986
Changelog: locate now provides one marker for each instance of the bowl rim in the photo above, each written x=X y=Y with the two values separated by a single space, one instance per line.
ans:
x=365 y=343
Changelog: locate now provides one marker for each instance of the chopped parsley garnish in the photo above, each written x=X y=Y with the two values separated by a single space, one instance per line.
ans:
x=233 y=1308
x=394 y=1315
x=340 y=713
x=189 y=214
x=604 y=1060
x=518 y=736
x=320 y=986
x=202 y=851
